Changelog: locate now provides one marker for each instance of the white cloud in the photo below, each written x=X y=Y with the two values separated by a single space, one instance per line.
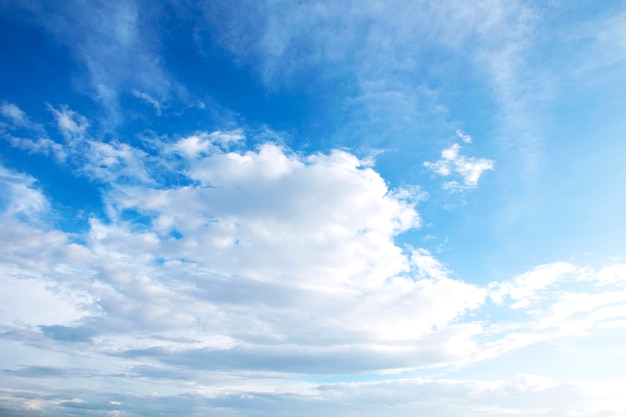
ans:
x=469 y=168
x=273 y=261
x=38 y=142
x=111 y=161
x=32 y=301
x=115 y=161
x=115 y=44
x=556 y=300
x=297 y=250
x=523 y=395
x=72 y=124
x=204 y=142
x=13 y=113
x=269 y=253
x=19 y=196
x=148 y=99
x=464 y=136
x=43 y=145
x=526 y=288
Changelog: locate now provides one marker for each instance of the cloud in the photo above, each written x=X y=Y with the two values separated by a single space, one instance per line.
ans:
x=38 y=142
x=13 y=113
x=469 y=168
x=204 y=142
x=391 y=67
x=35 y=301
x=527 y=288
x=463 y=136
x=307 y=263
x=148 y=99
x=267 y=261
x=115 y=44
x=67 y=333
x=265 y=254
x=20 y=198
x=520 y=395
x=72 y=124
x=556 y=300
x=111 y=161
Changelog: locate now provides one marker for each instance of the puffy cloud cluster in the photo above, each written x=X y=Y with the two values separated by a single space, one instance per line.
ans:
x=470 y=169
x=263 y=264
x=263 y=254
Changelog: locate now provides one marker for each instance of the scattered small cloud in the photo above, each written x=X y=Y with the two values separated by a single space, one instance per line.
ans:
x=463 y=136
x=453 y=163
x=70 y=123
x=13 y=113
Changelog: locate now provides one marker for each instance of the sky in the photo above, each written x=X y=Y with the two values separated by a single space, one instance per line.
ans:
x=296 y=208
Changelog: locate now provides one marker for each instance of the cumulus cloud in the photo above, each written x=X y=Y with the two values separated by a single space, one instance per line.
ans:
x=263 y=254
x=265 y=260
x=265 y=246
x=452 y=162
x=266 y=254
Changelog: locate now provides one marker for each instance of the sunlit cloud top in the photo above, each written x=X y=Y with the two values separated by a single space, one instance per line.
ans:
x=275 y=208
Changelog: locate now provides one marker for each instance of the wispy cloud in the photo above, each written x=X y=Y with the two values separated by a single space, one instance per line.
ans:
x=27 y=135
x=13 y=113
x=110 y=40
x=149 y=99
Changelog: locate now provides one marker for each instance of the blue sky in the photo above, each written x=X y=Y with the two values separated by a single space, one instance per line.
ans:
x=294 y=208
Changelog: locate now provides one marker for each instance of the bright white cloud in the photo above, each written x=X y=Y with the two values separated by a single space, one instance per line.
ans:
x=296 y=250
x=111 y=161
x=32 y=301
x=469 y=168
x=269 y=260
x=202 y=143
x=115 y=161
x=213 y=291
x=19 y=196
